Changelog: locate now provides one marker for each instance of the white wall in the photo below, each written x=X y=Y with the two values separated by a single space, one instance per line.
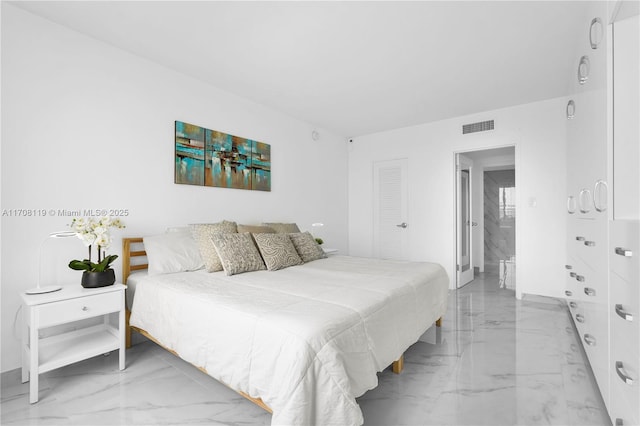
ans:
x=537 y=130
x=88 y=126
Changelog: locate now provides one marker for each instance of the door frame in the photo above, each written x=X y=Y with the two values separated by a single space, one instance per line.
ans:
x=520 y=261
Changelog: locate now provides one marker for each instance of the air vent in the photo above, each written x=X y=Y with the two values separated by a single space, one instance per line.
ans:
x=481 y=126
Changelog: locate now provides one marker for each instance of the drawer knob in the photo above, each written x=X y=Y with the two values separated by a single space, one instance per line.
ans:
x=623 y=252
x=579 y=318
x=623 y=314
x=568 y=267
x=572 y=274
x=590 y=243
x=84 y=308
x=580 y=278
x=573 y=305
x=589 y=291
x=579 y=238
x=589 y=340
x=568 y=293
x=622 y=374
x=619 y=422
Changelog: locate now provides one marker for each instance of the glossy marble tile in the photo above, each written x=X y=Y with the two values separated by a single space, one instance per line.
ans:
x=495 y=361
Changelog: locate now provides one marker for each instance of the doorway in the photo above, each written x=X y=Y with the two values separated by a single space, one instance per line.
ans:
x=485 y=238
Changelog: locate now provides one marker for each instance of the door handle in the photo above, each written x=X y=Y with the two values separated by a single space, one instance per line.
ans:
x=402 y=225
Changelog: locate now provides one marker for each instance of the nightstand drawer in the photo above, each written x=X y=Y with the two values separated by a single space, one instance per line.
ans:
x=79 y=308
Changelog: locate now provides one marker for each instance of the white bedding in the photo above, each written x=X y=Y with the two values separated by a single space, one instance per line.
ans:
x=307 y=340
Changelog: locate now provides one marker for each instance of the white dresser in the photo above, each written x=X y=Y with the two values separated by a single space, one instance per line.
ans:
x=603 y=214
x=624 y=228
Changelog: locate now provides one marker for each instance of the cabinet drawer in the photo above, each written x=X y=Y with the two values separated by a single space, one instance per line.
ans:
x=80 y=308
x=625 y=250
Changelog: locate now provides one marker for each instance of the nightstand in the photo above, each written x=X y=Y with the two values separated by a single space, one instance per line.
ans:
x=72 y=303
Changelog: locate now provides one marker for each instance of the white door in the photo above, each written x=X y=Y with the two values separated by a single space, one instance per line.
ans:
x=464 y=236
x=390 y=207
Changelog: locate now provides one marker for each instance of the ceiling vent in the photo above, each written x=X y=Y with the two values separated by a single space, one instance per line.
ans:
x=480 y=126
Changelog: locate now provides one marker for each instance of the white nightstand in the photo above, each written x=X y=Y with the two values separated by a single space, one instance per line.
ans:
x=72 y=303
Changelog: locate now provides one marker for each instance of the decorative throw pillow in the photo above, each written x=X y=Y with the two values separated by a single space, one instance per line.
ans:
x=283 y=228
x=237 y=253
x=172 y=252
x=277 y=250
x=307 y=247
x=202 y=233
x=255 y=229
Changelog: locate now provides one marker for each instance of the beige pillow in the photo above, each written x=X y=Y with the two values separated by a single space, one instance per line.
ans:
x=202 y=233
x=277 y=250
x=307 y=247
x=237 y=253
x=255 y=229
x=283 y=228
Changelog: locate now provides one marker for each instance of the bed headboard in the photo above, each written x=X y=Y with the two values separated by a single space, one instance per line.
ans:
x=127 y=254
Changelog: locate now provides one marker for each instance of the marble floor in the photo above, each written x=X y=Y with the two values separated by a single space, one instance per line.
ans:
x=495 y=361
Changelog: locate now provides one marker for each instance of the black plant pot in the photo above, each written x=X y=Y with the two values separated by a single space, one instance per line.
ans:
x=98 y=279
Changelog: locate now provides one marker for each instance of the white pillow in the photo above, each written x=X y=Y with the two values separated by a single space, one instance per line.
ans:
x=172 y=252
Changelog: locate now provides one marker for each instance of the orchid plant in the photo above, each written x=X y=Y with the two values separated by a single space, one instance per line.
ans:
x=95 y=231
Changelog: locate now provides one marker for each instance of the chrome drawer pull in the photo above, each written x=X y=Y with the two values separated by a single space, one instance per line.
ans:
x=573 y=305
x=568 y=293
x=579 y=238
x=623 y=252
x=628 y=380
x=589 y=340
x=580 y=278
x=589 y=291
x=623 y=314
x=579 y=318
x=84 y=308
x=572 y=274
x=590 y=243
x=568 y=267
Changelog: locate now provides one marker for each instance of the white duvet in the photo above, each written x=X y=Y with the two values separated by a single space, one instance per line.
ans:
x=307 y=340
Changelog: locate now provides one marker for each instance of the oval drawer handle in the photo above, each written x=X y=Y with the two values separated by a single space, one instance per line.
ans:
x=623 y=252
x=623 y=314
x=590 y=243
x=84 y=308
x=580 y=318
x=589 y=340
x=573 y=305
x=580 y=278
x=619 y=367
x=589 y=291
x=579 y=238
x=572 y=274
x=568 y=293
x=568 y=267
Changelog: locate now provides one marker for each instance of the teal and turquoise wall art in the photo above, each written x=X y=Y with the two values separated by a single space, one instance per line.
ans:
x=211 y=158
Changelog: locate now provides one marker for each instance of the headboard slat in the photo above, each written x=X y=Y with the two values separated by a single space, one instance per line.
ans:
x=127 y=254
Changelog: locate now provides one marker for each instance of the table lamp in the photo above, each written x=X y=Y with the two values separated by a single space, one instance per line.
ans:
x=51 y=288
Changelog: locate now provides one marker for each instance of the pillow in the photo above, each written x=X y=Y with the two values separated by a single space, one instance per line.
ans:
x=277 y=250
x=237 y=253
x=307 y=247
x=202 y=233
x=172 y=252
x=256 y=229
x=283 y=228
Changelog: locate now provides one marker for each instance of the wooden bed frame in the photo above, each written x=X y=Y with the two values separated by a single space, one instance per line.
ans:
x=127 y=267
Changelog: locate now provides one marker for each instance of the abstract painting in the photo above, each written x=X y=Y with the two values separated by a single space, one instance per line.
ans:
x=212 y=158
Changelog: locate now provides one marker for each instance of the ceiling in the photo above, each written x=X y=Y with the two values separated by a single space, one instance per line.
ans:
x=352 y=68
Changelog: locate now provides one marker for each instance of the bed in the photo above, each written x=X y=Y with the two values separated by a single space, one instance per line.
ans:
x=302 y=342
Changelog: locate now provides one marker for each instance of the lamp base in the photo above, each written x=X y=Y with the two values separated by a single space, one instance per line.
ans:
x=47 y=289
